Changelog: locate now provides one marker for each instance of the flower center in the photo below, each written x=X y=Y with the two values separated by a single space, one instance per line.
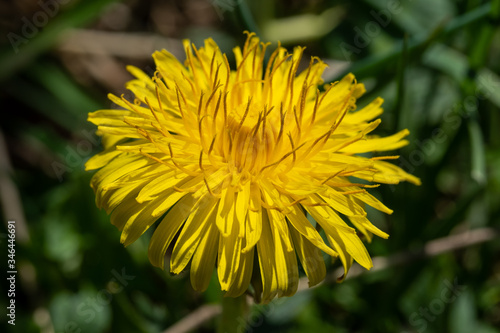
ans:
x=250 y=138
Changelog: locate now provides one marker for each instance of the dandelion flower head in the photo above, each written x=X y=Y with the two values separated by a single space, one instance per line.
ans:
x=231 y=163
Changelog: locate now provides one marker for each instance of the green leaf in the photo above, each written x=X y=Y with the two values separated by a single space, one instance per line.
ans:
x=462 y=314
x=87 y=311
x=376 y=64
x=478 y=168
x=79 y=14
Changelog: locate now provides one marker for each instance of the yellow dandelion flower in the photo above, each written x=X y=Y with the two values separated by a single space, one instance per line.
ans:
x=233 y=162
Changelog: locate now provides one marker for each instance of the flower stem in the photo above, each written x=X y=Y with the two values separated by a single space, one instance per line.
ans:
x=234 y=314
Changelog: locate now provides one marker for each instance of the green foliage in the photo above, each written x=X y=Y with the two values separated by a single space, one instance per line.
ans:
x=434 y=63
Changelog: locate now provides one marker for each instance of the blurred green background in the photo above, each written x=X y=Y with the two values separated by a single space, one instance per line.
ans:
x=435 y=62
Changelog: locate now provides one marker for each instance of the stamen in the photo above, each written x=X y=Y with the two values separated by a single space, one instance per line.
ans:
x=282 y=158
x=216 y=76
x=132 y=106
x=246 y=112
x=212 y=144
x=212 y=62
x=334 y=175
x=305 y=88
x=247 y=42
x=296 y=120
x=155 y=159
x=201 y=63
x=315 y=110
x=381 y=158
x=292 y=74
x=225 y=109
x=202 y=141
x=350 y=142
x=264 y=122
x=164 y=133
x=344 y=109
x=179 y=101
x=282 y=123
x=245 y=57
x=193 y=90
x=290 y=204
x=200 y=103
x=256 y=127
x=353 y=192
x=268 y=84
x=271 y=60
x=351 y=184
x=212 y=95
x=253 y=62
x=214 y=123
x=230 y=152
x=216 y=195
x=293 y=147
x=162 y=129
x=200 y=161
x=268 y=206
x=189 y=189
x=262 y=56
x=228 y=71
x=189 y=57
x=189 y=172
x=209 y=154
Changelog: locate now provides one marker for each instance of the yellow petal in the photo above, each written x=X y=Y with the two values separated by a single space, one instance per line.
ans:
x=243 y=275
x=111 y=199
x=159 y=184
x=116 y=169
x=196 y=225
x=341 y=203
x=254 y=219
x=203 y=262
x=342 y=237
x=225 y=213
x=137 y=223
x=310 y=257
x=242 y=202
x=372 y=201
x=266 y=253
x=122 y=213
x=229 y=257
x=287 y=271
x=367 y=113
x=99 y=160
x=395 y=171
x=363 y=222
x=167 y=229
x=378 y=144
x=108 y=117
x=276 y=218
x=302 y=225
x=173 y=195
